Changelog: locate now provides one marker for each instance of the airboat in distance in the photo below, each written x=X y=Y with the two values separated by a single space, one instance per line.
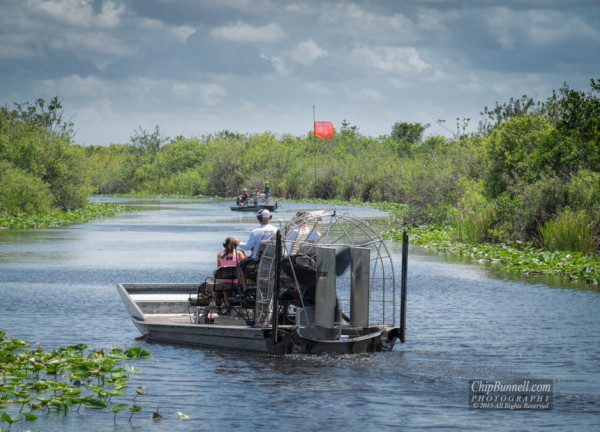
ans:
x=324 y=283
x=244 y=205
x=254 y=207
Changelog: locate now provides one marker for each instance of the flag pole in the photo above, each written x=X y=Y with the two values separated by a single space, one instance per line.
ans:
x=315 y=153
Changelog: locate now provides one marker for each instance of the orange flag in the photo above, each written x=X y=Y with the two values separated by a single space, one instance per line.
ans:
x=324 y=130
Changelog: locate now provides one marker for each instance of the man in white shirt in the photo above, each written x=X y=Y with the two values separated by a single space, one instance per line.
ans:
x=262 y=232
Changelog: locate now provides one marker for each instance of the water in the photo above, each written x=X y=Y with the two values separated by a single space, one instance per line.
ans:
x=464 y=322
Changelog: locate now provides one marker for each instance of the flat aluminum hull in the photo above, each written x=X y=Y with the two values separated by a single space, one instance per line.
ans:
x=253 y=208
x=169 y=323
x=242 y=338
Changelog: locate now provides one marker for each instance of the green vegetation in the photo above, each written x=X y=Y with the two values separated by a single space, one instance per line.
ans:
x=45 y=179
x=56 y=218
x=40 y=170
x=73 y=376
x=530 y=175
x=513 y=256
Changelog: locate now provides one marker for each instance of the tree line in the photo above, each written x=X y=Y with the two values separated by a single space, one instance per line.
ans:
x=531 y=172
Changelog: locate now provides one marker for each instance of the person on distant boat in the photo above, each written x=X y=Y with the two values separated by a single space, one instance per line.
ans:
x=255 y=202
x=245 y=197
x=267 y=190
x=229 y=256
x=262 y=232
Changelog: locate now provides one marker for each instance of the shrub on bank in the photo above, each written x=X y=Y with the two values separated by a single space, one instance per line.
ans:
x=40 y=169
x=21 y=192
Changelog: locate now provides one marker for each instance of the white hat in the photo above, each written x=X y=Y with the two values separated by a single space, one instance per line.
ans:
x=264 y=214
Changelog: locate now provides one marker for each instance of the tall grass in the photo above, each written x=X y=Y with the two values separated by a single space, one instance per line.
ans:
x=475 y=226
x=575 y=231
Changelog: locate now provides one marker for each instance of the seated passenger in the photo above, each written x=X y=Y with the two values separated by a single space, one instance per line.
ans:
x=263 y=232
x=307 y=231
x=230 y=256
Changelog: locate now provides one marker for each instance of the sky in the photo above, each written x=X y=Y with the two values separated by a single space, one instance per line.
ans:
x=197 y=67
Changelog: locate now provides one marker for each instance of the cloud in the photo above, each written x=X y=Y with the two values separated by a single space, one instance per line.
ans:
x=170 y=92
x=297 y=9
x=497 y=86
x=318 y=89
x=74 y=86
x=247 y=106
x=307 y=52
x=12 y=46
x=368 y=95
x=80 y=13
x=401 y=83
x=96 y=31
x=181 y=33
x=156 y=92
x=347 y=18
x=245 y=33
x=209 y=94
x=552 y=27
x=247 y=65
x=514 y=28
x=91 y=42
x=391 y=59
x=278 y=64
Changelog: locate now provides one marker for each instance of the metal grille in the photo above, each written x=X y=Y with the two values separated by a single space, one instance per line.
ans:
x=329 y=228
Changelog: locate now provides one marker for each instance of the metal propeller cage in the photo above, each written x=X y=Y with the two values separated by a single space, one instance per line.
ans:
x=329 y=228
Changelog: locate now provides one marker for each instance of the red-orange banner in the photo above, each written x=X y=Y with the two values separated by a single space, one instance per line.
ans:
x=324 y=130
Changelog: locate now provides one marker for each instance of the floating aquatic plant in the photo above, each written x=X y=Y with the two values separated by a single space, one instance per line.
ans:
x=513 y=256
x=134 y=409
x=118 y=407
x=182 y=416
x=58 y=218
x=35 y=379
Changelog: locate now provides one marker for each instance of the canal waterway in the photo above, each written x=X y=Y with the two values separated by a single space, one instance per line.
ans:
x=464 y=322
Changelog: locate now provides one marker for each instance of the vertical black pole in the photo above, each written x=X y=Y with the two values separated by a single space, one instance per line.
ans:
x=276 y=286
x=315 y=155
x=403 y=287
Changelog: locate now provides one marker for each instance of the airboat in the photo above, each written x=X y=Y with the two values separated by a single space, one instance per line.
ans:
x=324 y=283
x=254 y=208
